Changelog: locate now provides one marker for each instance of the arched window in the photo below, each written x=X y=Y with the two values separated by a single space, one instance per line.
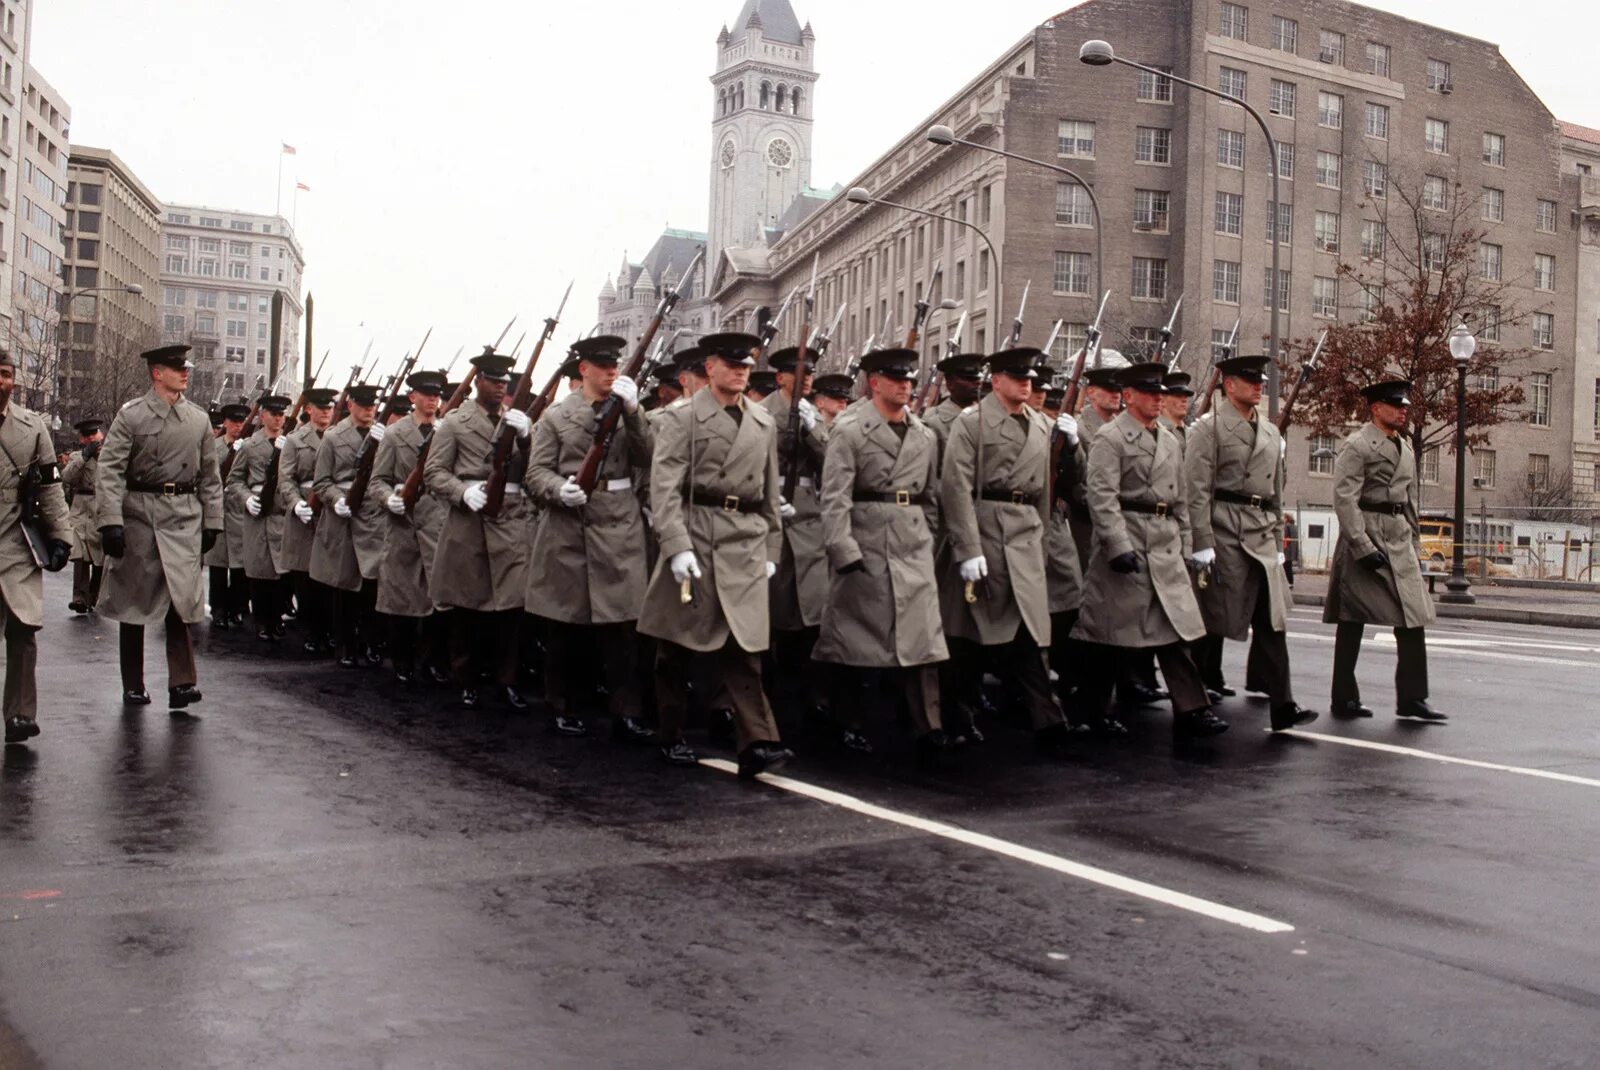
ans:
x=783 y=98
x=738 y=102
x=722 y=102
x=766 y=96
x=794 y=100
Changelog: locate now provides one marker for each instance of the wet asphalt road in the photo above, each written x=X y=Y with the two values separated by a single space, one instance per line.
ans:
x=312 y=874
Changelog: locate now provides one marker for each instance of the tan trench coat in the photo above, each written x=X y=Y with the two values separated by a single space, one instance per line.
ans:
x=701 y=450
x=152 y=442
x=1156 y=605
x=295 y=473
x=938 y=420
x=26 y=438
x=481 y=562
x=1063 y=565
x=587 y=565
x=263 y=535
x=78 y=477
x=799 y=590
x=1373 y=467
x=411 y=540
x=1226 y=450
x=228 y=551
x=1010 y=536
x=887 y=613
x=346 y=551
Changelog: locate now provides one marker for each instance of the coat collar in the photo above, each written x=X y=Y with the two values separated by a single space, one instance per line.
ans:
x=716 y=420
x=1136 y=434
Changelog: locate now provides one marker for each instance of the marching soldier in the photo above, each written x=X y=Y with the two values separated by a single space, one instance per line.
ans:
x=1138 y=594
x=29 y=471
x=963 y=375
x=261 y=536
x=714 y=489
x=1377 y=565
x=480 y=568
x=879 y=500
x=349 y=544
x=158 y=505
x=296 y=477
x=1235 y=474
x=830 y=394
x=229 y=592
x=1102 y=394
x=1063 y=570
x=993 y=593
x=586 y=570
x=762 y=384
x=396 y=408
x=1175 y=395
x=88 y=560
x=412 y=539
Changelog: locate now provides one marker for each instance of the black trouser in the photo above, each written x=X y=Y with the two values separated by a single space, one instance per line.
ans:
x=735 y=675
x=355 y=618
x=1410 y=670
x=484 y=643
x=915 y=689
x=792 y=674
x=419 y=641
x=22 y=663
x=230 y=592
x=315 y=607
x=1207 y=651
x=266 y=604
x=180 y=653
x=86 y=583
x=1068 y=656
x=1020 y=661
x=565 y=646
x=1183 y=679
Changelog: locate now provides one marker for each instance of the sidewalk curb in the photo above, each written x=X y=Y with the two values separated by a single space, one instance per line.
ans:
x=1493 y=614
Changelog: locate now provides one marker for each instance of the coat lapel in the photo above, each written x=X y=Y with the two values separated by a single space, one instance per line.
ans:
x=714 y=422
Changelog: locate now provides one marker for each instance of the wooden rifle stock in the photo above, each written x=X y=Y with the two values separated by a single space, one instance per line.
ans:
x=791 y=475
x=1204 y=405
x=269 y=486
x=503 y=443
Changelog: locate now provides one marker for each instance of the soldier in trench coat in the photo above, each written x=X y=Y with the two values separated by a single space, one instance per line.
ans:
x=1377 y=564
x=262 y=533
x=88 y=560
x=230 y=590
x=297 y=470
x=349 y=544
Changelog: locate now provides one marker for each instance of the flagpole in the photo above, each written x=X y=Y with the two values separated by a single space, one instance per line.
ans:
x=277 y=208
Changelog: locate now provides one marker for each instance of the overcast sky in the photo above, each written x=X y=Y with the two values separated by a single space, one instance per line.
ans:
x=468 y=159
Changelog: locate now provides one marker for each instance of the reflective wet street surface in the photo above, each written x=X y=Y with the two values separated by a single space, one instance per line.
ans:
x=321 y=869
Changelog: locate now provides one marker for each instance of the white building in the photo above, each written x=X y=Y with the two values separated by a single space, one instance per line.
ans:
x=36 y=249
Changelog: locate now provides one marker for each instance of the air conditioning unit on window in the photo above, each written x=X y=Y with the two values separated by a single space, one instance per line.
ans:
x=1328 y=56
x=1328 y=245
x=1444 y=87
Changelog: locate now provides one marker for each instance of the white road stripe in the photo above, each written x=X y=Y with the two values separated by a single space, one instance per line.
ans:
x=1454 y=650
x=1390 y=748
x=1093 y=874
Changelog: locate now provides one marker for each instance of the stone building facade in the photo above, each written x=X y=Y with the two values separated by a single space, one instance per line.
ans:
x=37 y=247
x=1580 y=167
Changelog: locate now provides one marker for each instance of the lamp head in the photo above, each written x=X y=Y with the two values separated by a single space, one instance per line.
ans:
x=859 y=195
x=134 y=288
x=949 y=303
x=1462 y=345
x=1096 y=53
x=941 y=135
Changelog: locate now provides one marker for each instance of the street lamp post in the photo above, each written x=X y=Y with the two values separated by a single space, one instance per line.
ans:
x=1101 y=54
x=943 y=135
x=1462 y=347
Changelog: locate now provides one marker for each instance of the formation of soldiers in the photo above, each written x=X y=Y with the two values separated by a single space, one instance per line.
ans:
x=722 y=548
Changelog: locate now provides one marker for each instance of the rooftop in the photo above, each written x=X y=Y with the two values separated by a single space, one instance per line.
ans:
x=775 y=18
x=1580 y=133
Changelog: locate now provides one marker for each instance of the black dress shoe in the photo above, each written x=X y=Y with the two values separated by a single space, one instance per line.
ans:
x=1350 y=710
x=719 y=726
x=221 y=624
x=279 y=629
x=403 y=674
x=679 y=753
x=1291 y=715
x=347 y=661
x=1198 y=724
x=934 y=749
x=1110 y=728
x=469 y=697
x=1213 y=695
x=1055 y=740
x=1142 y=695
x=513 y=698
x=564 y=724
x=182 y=695
x=311 y=646
x=631 y=730
x=1225 y=691
x=374 y=656
x=78 y=607
x=136 y=696
x=438 y=675
x=851 y=740
x=264 y=634
x=20 y=730
x=1419 y=710
x=763 y=758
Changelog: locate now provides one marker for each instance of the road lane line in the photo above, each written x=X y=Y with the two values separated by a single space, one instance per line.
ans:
x=1391 y=748
x=1454 y=650
x=1093 y=874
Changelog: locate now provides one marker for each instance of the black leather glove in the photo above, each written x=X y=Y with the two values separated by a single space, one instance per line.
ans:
x=112 y=540
x=857 y=565
x=1375 y=560
x=1125 y=563
x=91 y=451
x=208 y=539
x=60 y=554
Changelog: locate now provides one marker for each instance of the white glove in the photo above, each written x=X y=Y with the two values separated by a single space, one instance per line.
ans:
x=628 y=391
x=278 y=442
x=1283 y=448
x=302 y=510
x=1204 y=558
x=649 y=517
x=1067 y=424
x=236 y=445
x=772 y=569
x=376 y=432
x=395 y=504
x=1282 y=558
x=808 y=415
x=475 y=497
x=342 y=508
x=785 y=510
x=974 y=569
x=572 y=495
x=252 y=505
x=684 y=566
x=518 y=421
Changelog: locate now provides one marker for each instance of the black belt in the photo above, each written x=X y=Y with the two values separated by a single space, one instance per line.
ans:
x=170 y=490
x=729 y=503
x=890 y=497
x=1129 y=505
x=1255 y=501
x=1013 y=497
x=1386 y=508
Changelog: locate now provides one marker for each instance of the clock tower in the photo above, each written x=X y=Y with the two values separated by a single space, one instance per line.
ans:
x=761 y=124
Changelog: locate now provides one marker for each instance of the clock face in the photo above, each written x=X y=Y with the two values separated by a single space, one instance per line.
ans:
x=727 y=154
x=780 y=153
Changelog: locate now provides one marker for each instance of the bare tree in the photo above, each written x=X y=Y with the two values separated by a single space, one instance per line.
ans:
x=1551 y=495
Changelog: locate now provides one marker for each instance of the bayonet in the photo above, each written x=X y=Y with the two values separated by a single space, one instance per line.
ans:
x=1022 y=308
x=824 y=339
x=1055 y=332
x=452 y=364
x=1176 y=356
x=502 y=338
x=1166 y=332
x=1307 y=370
x=1091 y=340
x=953 y=343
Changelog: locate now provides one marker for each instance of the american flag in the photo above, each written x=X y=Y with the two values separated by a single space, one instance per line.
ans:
x=288 y=149
x=302 y=186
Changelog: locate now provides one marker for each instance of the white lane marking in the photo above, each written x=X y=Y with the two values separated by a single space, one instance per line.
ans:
x=1093 y=874
x=1463 y=628
x=1412 y=752
x=1449 y=649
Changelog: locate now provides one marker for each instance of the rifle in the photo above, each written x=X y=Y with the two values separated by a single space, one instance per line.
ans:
x=1069 y=401
x=369 y=446
x=611 y=409
x=768 y=325
x=452 y=364
x=1307 y=370
x=1016 y=324
x=1166 y=333
x=247 y=430
x=411 y=490
x=1177 y=356
x=791 y=478
x=929 y=394
x=914 y=335
x=1050 y=343
x=269 y=485
x=500 y=446
x=1204 y=405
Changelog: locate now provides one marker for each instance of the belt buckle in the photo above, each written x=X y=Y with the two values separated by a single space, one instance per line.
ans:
x=902 y=497
x=1161 y=509
x=1018 y=498
x=1257 y=502
x=169 y=489
x=730 y=503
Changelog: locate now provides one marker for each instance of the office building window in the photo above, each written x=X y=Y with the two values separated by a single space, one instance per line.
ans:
x=1328 y=164
x=1150 y=209
x=1280 y=98
x=1285 y=229
x=1372 y=236
x=1072 y=338
x=1285 y=161
x=1230 y=148
x=238 y=302
x=1544 y=330
x=1325 y=231
x=1283 y=289
x=1377 y=121
x=1235 y=21
x=1152 y=144
x=1544 y=271
x=1435 y=194
x=1072 y=205
x=1377 y=59
x=1539 y=399
x=205 y=299
x=1149 y=277
x=1436 y=135
x=1438 y=75
x=1483 y=468
x=173 y=324
x=1285 y=33
x=1538 y=471
x=1155 y=89
x=1489 y=329
x=1325 y=297
x=1375 y=180
x=1232 y=83
x=1331 y=48
x=1369 y=301
x=1322 y=452
x=1489 y=260
x=1072 y=273
x=1230 y=213
x=1428 y=469
x=1433 y=252
x=1330 y=110
x=1494 y=150
x=1492 y=205
x=1075 y=138
x=174 y=296
x=1225 y=281
x=1219 y=344
x=1544 y=217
